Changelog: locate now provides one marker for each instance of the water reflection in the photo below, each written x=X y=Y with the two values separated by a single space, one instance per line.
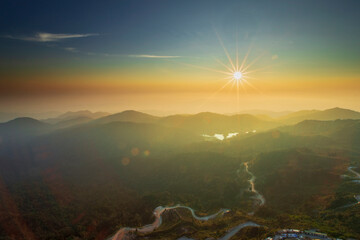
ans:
x=220 y=136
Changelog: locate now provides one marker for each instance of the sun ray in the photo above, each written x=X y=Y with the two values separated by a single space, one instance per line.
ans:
x=245 y=58
x=257 y=70
x=237 y=52
x=226 y=52
x=227 y=67
x=238 y=97
x=248 y=77
x=253 y=62
x=229 y=77
x=242 y=86
x=203 y=68
x=233 y=84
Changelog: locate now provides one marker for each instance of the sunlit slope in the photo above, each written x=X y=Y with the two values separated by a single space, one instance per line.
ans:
x=276 y=140
x=128 y=116
x=211 y=123
x=202 y=123
x=75 y=115
x=344 y=132
x=316 y=127
x=325 y=115
x=337 y=134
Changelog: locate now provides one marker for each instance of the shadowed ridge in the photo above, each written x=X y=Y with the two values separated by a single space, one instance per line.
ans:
x=23 y=120
x=21 y=128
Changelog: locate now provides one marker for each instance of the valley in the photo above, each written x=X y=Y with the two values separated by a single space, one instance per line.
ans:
x=248 y=185
x=123 y=232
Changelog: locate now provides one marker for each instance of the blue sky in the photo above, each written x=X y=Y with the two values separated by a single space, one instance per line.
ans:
x=177 y=27
x=311 y=40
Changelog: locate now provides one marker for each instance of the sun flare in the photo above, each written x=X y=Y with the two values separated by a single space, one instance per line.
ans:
x=237 y=75
x=236 y=72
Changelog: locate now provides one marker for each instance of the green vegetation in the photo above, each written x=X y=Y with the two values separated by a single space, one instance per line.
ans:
x=87 y=181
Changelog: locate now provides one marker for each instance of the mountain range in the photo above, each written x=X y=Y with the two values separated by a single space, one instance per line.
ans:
x=202 y=123
x=100 y=171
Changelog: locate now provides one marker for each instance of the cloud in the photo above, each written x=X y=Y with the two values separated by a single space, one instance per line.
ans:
x=71 y=49
x=49 y=37
x=152 y=56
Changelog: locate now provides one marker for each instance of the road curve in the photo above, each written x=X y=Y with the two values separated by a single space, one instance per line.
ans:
x=258 y=196
x=121 y=234
x=158 y=221
x=357 y=197
x=236 y=229
x=231 y=232
x=356 y=173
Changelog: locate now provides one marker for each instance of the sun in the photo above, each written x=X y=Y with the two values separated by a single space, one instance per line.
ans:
x=237 y=75
x=237 y=71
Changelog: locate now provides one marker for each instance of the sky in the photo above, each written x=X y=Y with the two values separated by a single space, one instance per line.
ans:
x=171 y=56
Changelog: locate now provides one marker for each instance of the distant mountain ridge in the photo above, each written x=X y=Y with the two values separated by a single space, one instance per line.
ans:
x=211 y=123
x=326 y=115
x=23 y=127
x=7 y=116
x=318 y=127
x=75 y=115
x=83 y=113
x=272 y=114
x=204 y=122
x=128 y=116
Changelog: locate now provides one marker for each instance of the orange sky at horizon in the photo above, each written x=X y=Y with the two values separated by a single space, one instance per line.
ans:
x=174 y=86
x=177 y=96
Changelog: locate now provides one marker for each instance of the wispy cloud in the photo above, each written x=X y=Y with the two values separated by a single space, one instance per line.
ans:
x=71 y=49
x=152 y=56
x=49 y=37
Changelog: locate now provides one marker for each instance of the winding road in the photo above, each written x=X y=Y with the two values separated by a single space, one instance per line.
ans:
x=258 y=196
x=158 y=221
x=121 y=234
x=355 y=173
x=357 y=197
x=236 y=229
x=231 y=232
